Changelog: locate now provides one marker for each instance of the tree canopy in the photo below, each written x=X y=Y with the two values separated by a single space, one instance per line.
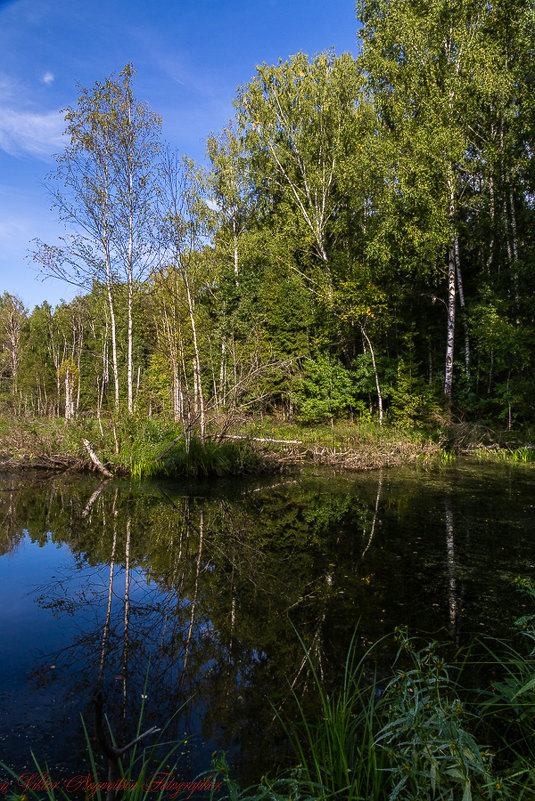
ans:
x=360 y=241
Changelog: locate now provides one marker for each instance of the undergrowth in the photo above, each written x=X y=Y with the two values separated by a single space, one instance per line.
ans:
x=525 y=455
x=206 y=458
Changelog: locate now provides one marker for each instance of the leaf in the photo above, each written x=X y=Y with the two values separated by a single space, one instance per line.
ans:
x=526 y=688
x=467 y=795
x=433 y=776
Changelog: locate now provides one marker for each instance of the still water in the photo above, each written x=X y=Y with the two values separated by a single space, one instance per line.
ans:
x=185 y=599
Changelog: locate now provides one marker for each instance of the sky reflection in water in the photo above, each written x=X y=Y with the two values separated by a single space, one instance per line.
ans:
x=206 y=583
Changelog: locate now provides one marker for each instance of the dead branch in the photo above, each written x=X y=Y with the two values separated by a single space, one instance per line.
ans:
x=113 y=753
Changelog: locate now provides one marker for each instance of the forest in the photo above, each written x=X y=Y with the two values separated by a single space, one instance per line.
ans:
x=358 y=243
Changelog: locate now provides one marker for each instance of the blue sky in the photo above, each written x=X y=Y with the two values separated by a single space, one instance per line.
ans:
x=190 y=55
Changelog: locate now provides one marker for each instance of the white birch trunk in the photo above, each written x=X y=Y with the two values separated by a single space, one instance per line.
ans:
x=452 y=290
x=450 y=336
x=68 y=401
x=197 y=382
x=376 y=375
x=130 y=394
x=460 y=292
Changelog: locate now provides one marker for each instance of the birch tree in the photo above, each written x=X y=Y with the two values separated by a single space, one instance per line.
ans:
x=184 y=231
x=12 y=317
x=103 y=190
x=300 y=121
x=229 y=183
x=135 y=214
x=431 y=71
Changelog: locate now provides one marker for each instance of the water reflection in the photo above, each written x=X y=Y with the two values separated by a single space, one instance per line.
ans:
x=192 y=597
x=453 y=601
x=375 y=513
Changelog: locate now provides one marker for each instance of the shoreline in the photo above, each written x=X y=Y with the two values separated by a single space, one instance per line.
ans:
x=141 y=448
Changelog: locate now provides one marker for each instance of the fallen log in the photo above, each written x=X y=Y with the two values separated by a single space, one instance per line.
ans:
x=263 y=439
x=96 y=461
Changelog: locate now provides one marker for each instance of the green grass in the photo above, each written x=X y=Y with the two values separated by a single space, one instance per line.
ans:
x=208 y=458
x=523 y=455
x=335 y=750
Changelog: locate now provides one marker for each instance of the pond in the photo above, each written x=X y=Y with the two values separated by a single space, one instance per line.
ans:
x=187 y=599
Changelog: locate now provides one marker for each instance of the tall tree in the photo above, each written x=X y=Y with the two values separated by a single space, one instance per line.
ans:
x=301 y=123
x=12 y=317
x=104 y=190
x=184 y=231
x=432 y=69
x=230 y=186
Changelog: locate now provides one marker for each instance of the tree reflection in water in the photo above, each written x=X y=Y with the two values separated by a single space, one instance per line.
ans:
x=205 y=589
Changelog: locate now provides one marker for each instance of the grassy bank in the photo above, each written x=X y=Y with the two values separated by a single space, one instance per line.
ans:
x=137 y=447
x=132 y=447
x=143 y=447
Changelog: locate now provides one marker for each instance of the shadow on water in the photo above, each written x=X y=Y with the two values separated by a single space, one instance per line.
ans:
x=188 y=598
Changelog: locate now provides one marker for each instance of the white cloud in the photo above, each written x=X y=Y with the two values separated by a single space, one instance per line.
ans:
x=37 y=134
x=48 y=78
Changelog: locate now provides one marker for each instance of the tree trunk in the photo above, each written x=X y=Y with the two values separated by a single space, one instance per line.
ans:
x=109 y=286
x=68 y=394
x=235 y=250
x=376 y=375
x=130 y=394
x=450 y=337
x=115 y=369
x=55 y=359
x=222 y=370
x=460 y=292
x=515 y=256
x=452 y=265
x=197 y=382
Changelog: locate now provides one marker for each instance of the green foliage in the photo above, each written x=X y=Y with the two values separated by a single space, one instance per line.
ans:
x=415 y=739
x=351 y=206
x=412 y=399
x=507 y=712
x=287 y=312
x=431 y=751
x=325 y=391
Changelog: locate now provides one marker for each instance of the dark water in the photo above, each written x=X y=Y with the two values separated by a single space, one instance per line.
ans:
x=188 y=597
